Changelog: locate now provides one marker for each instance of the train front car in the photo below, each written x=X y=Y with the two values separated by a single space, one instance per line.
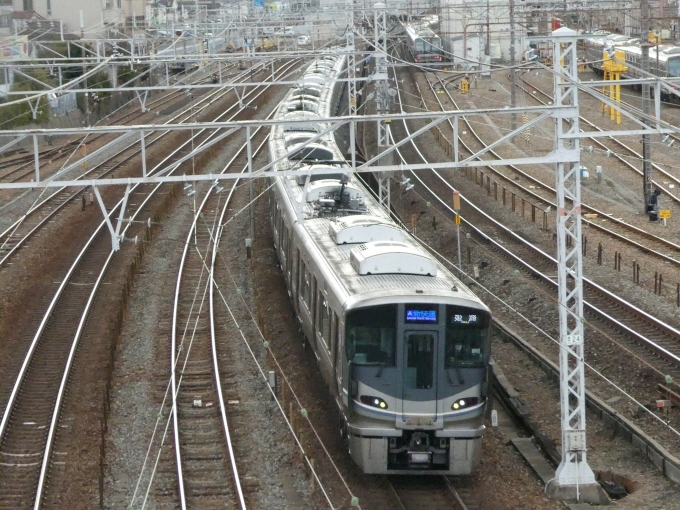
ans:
x=403 y=345
x=423 y=43
x=417 y=372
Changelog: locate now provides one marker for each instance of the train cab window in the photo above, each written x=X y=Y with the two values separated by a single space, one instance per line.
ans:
x=467 y=337
x=371 y=335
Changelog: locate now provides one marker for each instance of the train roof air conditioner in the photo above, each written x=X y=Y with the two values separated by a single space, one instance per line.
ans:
x=389 y=257
x=364 y=229
x=312 y=124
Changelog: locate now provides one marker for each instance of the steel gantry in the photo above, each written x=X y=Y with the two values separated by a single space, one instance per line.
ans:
x=574 y=480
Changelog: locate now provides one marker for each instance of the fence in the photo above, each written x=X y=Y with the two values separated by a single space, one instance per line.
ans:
x=63 y=104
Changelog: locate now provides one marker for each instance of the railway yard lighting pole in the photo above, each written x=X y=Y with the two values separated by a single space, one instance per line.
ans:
x=574 y=478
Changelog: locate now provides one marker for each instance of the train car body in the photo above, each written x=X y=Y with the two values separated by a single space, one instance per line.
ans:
x=185 y=54
x=403 y=345
x=664 y=60
x=423 y=43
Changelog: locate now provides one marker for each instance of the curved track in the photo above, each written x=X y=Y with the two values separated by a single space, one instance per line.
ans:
x=646 y=242
x=648 y=337
x=206 y=465
x=45 y=210
x=30 y=420
x=618 y=143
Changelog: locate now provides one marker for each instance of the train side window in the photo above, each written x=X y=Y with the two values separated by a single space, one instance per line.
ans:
x=312 y=297
x=305 y=285
x=334 y=334
x=326 y=324
x=324 y=321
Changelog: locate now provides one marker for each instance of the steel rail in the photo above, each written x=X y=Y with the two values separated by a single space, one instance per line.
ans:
x=614 y=140
x=12 y=228
x=174 y=355
x=452 y=490
x=32 y=348
x=666 y=243
x=660 y=325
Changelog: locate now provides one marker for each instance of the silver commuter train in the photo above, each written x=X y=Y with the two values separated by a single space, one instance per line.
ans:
x=423 y=43
x=403 y=345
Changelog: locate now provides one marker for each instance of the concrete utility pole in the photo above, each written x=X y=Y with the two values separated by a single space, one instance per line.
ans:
x=646 y=104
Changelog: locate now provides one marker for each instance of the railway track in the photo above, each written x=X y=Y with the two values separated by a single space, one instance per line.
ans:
x=30 y=419
x=16 y=168
x=542 y=193
x=647 y=337
x=206 y=464
x=430 y=493
x=618 y=143
x=21 y=230
x=202 y=457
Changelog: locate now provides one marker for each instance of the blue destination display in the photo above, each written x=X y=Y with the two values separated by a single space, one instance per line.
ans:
x=421 y=315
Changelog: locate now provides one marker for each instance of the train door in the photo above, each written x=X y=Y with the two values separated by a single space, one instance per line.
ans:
x=340 y=362
x=419 y=381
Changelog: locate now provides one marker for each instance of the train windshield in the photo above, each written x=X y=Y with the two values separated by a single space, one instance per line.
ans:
x=433 y=45
x=371 y=335
x=674 y=67
x=467 y=337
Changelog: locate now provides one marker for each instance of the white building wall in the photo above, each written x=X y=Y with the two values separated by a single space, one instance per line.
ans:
x=464 y=19
x=93 y=11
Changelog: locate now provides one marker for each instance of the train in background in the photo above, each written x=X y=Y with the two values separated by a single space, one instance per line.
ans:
x=423 y=43
x=403 y=345
x=664 y=59
x=185 y=52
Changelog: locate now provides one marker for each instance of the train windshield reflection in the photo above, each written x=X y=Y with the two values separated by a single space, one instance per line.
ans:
x=371 y=335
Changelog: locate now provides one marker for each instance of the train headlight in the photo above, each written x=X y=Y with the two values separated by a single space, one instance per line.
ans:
x=373 y=401
x=464 y=403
